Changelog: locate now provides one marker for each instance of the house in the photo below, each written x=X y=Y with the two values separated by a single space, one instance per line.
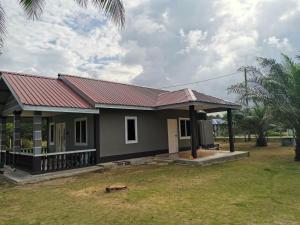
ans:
x=90 y=121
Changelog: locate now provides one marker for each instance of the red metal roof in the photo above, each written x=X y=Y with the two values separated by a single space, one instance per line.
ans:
x=210 y=99
x=106 y=92
x=84 y=93
x=174 y=97
x=112 y=93
x=43 y=91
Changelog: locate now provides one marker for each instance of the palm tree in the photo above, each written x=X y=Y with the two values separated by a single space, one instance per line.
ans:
x=113 y=9
x=259 y=118
x=255 y=120
x=277 y=85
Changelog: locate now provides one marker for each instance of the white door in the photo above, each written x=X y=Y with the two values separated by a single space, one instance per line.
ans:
x=172 y=135
x=60 y=137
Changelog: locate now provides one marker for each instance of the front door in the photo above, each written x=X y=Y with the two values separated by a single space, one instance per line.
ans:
x=60 y=137
x=172 y=135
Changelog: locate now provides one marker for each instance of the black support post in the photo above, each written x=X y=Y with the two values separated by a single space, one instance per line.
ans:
x=193 y=127
x=97 y=136
x=230 y=130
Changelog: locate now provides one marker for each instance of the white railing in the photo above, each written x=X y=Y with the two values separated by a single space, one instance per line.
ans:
x=64 y=153
x=67 y=160
x=54 y=161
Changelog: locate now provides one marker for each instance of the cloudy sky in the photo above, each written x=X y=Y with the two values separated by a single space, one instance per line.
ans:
x=164 y=43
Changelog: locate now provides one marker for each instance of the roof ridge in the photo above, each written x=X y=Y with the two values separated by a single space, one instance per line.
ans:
x=190 y=91
x=26 y=75
x=90 y=78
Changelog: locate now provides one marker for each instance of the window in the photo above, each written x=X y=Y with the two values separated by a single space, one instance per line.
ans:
x=131 y=130
x=81 y=131
x=185 y=128
x=51 y=133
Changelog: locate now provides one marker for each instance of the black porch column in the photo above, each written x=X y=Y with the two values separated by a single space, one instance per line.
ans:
x=230 y=130
x=193 y=127
x=97 y=136
x=3 y=139
x=16 y=135
x=37 y=141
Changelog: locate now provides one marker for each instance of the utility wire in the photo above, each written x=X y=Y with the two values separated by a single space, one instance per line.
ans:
x=200 y=81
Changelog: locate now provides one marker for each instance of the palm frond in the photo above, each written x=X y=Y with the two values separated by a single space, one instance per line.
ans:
x=33 y=8
x=113 y=9
x=2 y=26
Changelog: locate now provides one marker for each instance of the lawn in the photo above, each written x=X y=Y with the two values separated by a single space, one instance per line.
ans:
x=264 y=189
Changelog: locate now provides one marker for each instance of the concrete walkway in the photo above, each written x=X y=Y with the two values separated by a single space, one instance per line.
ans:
x=22 y=177
x=217 y=157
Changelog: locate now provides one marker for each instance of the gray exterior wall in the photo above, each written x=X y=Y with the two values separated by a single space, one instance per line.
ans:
x=152 y=131
x=69 y=120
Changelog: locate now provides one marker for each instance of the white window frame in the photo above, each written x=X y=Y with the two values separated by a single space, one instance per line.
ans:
x=50 y=137
x=179 y=127
x=86 y=131
x=136 y=130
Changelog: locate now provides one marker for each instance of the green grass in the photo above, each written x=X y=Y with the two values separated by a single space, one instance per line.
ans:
x=264 y=189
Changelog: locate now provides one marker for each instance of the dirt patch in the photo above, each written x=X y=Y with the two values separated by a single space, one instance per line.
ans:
x=91 y=191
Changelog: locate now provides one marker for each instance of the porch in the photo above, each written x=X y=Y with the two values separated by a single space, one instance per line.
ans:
x=197 y=129
x=44 y=141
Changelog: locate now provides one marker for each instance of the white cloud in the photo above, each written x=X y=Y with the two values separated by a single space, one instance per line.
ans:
x=215 y=37
x=280 y=44
x=145 y=25
x=165 y=16
x=291 y=13
x=66 y=39
x=194 y=40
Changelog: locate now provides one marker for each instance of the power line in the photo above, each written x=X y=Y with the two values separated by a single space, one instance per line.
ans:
x=200 y=81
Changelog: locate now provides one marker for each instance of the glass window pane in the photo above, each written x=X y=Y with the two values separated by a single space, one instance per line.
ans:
x=77 y=131
x=131 y=130
x=83 y=131
x=188 y=128
x=182 y=128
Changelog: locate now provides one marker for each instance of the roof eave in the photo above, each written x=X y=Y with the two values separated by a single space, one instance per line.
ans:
x=59 y=109
x=130 y=107
x=189 y=103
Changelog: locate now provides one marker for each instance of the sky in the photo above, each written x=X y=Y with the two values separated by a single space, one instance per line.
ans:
x=163 y=43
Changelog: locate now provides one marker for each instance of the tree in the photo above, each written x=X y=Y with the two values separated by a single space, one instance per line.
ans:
x=259 y=119
x=241 y=124
x=113 y=9
x=256 y=120
x=277 y=85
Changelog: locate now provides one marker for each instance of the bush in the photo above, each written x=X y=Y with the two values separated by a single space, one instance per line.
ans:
x=26 y=143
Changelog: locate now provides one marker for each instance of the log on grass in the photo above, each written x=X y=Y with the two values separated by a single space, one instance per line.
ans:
x=115 y=188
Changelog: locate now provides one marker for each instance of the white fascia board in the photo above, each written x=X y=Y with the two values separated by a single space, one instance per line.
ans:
x=59 y=109
x=108 y=106
x=198 y=103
